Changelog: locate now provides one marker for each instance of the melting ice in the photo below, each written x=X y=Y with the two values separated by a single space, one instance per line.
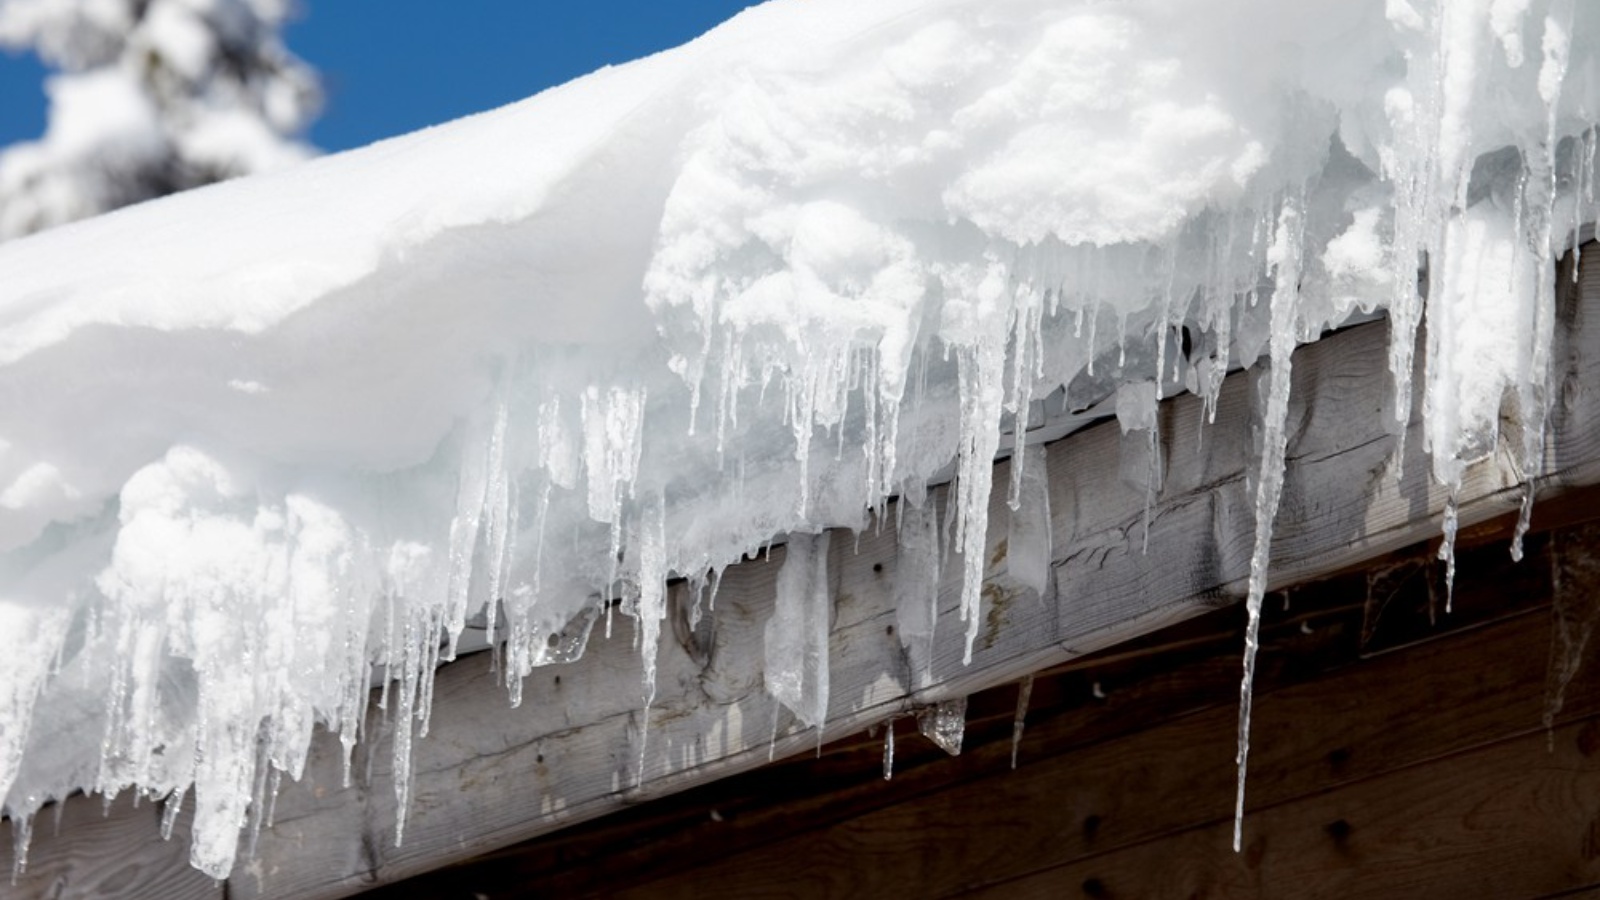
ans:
x=521 y=369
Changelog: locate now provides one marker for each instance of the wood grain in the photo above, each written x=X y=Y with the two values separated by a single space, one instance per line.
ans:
x=109 y=851
x=1513 y=819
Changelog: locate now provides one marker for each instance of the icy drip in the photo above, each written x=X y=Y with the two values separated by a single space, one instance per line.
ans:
x=1284 y=257
x=1540 y=198
x=1217 y=301
x=1447 y=551
x=501 y=499
x=417 y=644
x=170 y=809
x=1137 y=405
x=1028 y=539
x=259 y=683
x=945 y=724
x=980 y=414
x=21 y=837
x=557 y=465
x=916 y=585
x=888 y=750
x=1020 y=720
x=1412 y=165
x=1027 y=367
x=481 y=451
x=612 y=443
x=817 y=395
x=652 y=581
x=981 y=361
x=796 y=670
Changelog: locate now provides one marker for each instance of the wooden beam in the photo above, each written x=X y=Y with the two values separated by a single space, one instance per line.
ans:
x=1513 y=818
x=583 y=744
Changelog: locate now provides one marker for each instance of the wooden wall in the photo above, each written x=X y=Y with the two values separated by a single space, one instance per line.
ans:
x=1397 y=751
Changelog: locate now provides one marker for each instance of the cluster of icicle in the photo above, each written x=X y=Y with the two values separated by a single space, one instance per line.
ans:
x=866 y=271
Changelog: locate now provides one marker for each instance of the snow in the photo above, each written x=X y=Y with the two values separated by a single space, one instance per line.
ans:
x=267 y=441
x=153 y=97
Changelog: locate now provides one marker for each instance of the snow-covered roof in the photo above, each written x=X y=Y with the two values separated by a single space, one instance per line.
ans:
x=258 y=439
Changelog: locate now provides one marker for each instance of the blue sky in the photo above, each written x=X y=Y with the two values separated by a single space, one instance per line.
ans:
x=392 y=66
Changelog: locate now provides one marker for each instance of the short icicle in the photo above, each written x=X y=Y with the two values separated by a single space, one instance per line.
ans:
x=797 y=634
x=888 y=750
x=1024 y=692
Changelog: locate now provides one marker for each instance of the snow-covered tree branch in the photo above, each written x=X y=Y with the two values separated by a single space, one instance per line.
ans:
x=152 y=97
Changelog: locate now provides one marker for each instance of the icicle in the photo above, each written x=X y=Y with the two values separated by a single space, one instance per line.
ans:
x=1137 y=408
x=1092 y=350
x=502 y=499
x=1152 y=482
x=612 y=443
x=21 y=837
x=1024 y=363
x=1024 y=692
x=888 y=750
x=471 y=501
x=1524 y=520
x=274 y=782
x=1221 y=311
x=916 y=587
x=257 y=802
x=1535 y=388
x=1162 y=328
x=982 y=392
x=1447 y=551
x=1284 y=257
x=520 y=600
x=652 y=594
x=1412 y=166
x=797 y=634
x=945 y=724
x=1028 y=540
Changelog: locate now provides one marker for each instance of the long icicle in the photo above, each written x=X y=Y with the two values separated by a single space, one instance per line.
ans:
x=1284 y=257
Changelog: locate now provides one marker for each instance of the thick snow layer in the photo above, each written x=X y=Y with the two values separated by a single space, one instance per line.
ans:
x=260 y=441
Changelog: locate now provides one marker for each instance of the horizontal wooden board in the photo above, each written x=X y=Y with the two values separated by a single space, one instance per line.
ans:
x=109 y=850
x=1513 y=819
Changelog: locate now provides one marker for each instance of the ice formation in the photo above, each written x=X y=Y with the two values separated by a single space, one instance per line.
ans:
x=262 y=441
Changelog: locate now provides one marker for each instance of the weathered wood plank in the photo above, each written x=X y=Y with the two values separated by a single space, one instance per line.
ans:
x=93 y=852
x=1592 y=890
x=488 y=776
x=1513 y=819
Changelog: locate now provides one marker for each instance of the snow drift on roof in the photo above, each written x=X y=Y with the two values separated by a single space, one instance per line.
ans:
x=259 y=439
